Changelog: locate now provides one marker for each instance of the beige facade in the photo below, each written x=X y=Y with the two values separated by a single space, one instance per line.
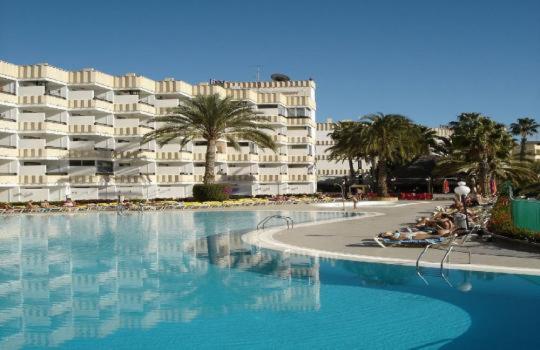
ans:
x=79 y=133
x=532 y=149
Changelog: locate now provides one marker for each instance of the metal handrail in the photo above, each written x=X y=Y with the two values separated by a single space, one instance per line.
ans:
x=288 y=220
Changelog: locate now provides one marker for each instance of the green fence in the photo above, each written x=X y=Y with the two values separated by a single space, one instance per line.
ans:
x=526 y=214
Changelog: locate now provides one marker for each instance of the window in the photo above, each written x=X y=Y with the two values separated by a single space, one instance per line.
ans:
x=104 y=167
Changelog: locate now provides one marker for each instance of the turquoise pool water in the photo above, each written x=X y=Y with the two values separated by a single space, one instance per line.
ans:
x=182 y=280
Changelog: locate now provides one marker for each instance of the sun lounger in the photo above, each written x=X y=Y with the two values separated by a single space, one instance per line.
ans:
x=384 y=242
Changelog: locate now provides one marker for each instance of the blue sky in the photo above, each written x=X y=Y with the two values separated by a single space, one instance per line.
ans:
x=426 y=59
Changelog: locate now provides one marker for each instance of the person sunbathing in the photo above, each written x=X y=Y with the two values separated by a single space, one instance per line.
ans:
x=30 y=205
x=408 y=235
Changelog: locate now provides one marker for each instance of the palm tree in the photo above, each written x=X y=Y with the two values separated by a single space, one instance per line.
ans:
x=524 y=127
x=390 y=138
x=212 y=118
x=482 y=149
x=347 y=146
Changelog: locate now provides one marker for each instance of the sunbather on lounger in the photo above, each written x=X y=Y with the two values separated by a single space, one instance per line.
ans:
x=407 y=236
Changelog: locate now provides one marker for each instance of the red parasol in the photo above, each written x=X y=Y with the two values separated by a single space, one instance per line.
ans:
x=446 y=186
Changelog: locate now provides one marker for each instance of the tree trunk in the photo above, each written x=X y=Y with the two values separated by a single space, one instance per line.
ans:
x=382 y=186
x=351 y=170
x=210 y=163
x=522 y=149
x=484 y=178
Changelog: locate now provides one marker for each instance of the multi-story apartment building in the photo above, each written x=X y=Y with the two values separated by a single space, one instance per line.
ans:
x=78 y=134
x=327 y=168
x=532 y=149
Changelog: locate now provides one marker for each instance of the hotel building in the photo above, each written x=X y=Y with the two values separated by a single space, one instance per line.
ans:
x=327 y=168
x=78 y=134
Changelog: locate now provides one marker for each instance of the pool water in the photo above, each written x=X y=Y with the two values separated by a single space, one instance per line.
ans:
x=183 y=280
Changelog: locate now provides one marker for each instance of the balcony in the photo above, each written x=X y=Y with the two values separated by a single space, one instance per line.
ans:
x=8 y=99
x=43 y=72
x=277 y=120
x=40 y=153
x=89 y=154
x=44 y=101
x=9 y=70
x=180 y=156
x=242 y=95
x=272 y=178
x=135 y=108
x=301 y=101
x=201 y=157
x=135 y=179
x=89 y=180
x=238 y=178
x=301 y=122
x=134 y=82
x=43 y=179
x=91 y=77
x=7 y=125
x=300 y=140
x=301 y=159
x=174 y=87
x=141 y=155
x=8 y=180
x=99 y=105
x=279 y=139
x=301 y=178
x=43 y=127
x=97 y=130
x=273 y=158
x=271 y=98
x=175 y=179
x=133 y=131
x=242 y=158
x=8 y=152
x=209 y=90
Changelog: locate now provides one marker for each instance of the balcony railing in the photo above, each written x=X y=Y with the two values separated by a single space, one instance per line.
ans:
x=133 y=82
x=43 y=71
x=242 y=95
x=300 y=139
x=301 y=122
x=242 y=158
x=90 y=154
x=40 y=153
x=134 y=108
x=130 y=131
x=135 y=179
x=8 y=125
x=209 y=90
x=175 y=179
x=43 y=127
x=8 y=98
x=273 y=158
x=43 y=179
x=9 y=180
x=44 y=100
x=8 y=152
x=272 y=178
x=301 y=178
x=93 y=104
x=300 y=101
x=142 y=155
x=174 y=87
x=91 y=77
x=277 y=120
x=201 y=157
x=279 y=139
x=174 y=156
x=271 y=98
x=301 y=159
x=86 y=129
x=9 y=69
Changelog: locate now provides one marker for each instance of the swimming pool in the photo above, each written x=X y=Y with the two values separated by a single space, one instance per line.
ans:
x=186 y=280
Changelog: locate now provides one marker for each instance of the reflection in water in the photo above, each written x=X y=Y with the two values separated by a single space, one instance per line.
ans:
x=56 y=286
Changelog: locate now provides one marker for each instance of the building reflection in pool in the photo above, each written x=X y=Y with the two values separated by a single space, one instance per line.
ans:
x=56 y=286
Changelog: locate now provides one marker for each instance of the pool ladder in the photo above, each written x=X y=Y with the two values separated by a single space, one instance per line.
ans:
x=287 y=219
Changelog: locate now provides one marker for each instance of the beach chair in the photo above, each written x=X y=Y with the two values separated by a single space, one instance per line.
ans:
x=385 y=242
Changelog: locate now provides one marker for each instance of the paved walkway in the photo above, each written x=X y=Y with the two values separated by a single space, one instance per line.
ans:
x=353 y=239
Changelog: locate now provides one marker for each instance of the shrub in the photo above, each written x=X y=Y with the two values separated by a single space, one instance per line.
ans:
x=211 y=192
x=501 y=223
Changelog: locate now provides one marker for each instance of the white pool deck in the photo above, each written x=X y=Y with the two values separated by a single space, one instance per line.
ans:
x=352 y=239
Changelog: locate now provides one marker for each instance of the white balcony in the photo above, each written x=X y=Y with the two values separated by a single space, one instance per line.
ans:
x=8 y=152
x=242 y=158
x=92 y=130
x=180 y=156
x=175 y=179
x=140 y=155
x=8 y=126
x=301 y=178
x=40 y=153
x=301 y=159
x=273 y=158
x=43 y=179
x=243 y=95
x=8 y=99
x=44 y=101
x=269 y=178
x=9 y=180
x=99 y=105
x=300 y=140
x=135 y=108
x=277 y=120
x=89 y=154
x=279 y=139
x=132 y=131
x=173 y=87
x=43 y=127
x=201 y=157
x=301 y=122
x=135 y=179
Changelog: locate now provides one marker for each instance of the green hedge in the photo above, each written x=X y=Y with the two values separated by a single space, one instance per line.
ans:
x=501 y=223
x=211 y=192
